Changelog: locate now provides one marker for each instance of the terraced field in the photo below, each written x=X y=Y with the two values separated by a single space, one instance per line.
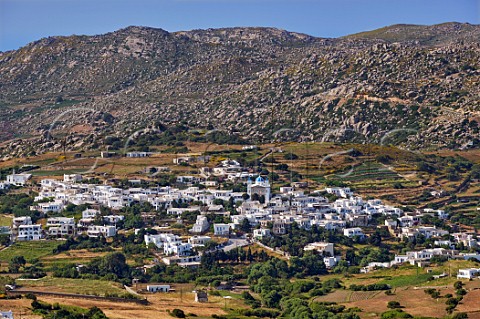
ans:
x=367 y=171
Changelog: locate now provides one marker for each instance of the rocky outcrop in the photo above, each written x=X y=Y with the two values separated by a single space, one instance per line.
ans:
x=72 y=92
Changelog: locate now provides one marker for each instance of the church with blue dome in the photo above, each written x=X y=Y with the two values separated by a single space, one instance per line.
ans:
x=261 y=186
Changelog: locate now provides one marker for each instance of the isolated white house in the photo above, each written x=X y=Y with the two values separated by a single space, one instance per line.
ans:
x=468 y=273
x=158 y=288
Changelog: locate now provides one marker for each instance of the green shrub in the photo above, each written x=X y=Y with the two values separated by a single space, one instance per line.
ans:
x=395 y=314
x=393 y=305
x=178 y=313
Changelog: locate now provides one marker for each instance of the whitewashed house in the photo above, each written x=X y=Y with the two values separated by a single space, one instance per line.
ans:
x=158 y=288
x=63 y=230
x=101 y=231
x=160 y=239
x=177 y=248
x=58 y=221
x=138 y=154
x=18 y=179
x=261 y=233
x=23 y=220
x=344 y=192
x=201 y=225
x=221 y=229
x=353 y=232
x=196 y=241
x=332 y=261
x=113 y=219
x=29 y=232
x=323 y=248
x=4 y=185
x=72 y=178
x=54 y=207
x=468 y=273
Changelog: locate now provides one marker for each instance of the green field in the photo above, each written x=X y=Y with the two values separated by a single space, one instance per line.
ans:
x=76 y=286
x=29 y=249
x=408 y=280
x=5 y=220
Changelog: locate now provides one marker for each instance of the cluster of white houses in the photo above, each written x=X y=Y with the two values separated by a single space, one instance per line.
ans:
x=58 y=227
x=268 y=214
x=177 y=251
x=347 y=214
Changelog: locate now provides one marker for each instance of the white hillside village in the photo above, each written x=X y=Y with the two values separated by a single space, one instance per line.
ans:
x=267 y=214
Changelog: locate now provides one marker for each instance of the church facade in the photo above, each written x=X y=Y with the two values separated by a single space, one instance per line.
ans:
x=261 y=186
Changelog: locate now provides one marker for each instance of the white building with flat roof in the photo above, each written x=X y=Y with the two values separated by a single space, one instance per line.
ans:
x=23 y=220
x=352 y=232
x=64 y=230
x=221 y=229
x=58 y=221
x=324 y=248
x=18 y=179
x=29 y=232
x=261 y=233
x=101 y=231
x=177 y=248
x=54 y=207
x=72 y=178
x=344 y=192
x=468 y=273
x=199 y=240
x=331 y=262
x=158 y=288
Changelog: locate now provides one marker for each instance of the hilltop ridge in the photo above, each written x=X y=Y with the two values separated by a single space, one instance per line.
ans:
x=247 y=81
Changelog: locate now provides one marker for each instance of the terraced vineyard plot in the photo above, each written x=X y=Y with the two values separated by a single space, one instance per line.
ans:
x=336 y=296
x=362 y=295
x=367 y=171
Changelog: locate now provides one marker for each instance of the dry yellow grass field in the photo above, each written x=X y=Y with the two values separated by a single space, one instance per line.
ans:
x=159 y=304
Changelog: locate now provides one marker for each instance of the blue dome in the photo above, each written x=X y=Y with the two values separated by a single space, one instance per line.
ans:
x=259 y=179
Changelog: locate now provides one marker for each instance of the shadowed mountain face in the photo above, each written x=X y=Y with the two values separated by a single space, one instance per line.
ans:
x=421 y=80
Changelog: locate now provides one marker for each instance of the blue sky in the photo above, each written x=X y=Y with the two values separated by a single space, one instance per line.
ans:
x=23 y=21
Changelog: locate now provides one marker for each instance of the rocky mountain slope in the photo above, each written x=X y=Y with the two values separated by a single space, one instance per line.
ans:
x=422 y=81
